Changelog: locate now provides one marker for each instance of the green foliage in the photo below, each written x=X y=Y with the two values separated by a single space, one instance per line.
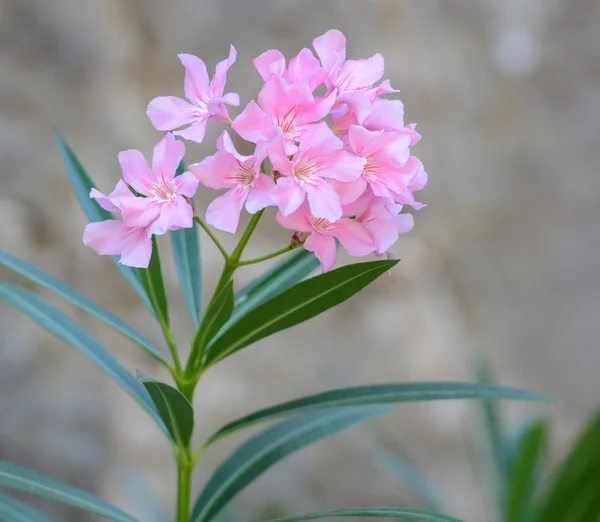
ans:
x=34 y=483
x=13 y=510
x=186 y=251
x=154 y=286
x=378 y=512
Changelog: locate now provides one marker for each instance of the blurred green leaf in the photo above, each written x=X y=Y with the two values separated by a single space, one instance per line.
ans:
x=155 y=288
x=58 y=324
x=522 y=472
x=574 y=493
x=296 y=305
x=87 y=305
x=174 y=409
x=13 y=510
x=378 y=394
x=29 y=481
x=82 y=185
x=267 y=448
x=379 y=512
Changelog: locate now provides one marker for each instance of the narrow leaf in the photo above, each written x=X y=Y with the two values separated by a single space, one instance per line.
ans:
x=296 y=305
x=186 y=251
x=58 y=324
x=379 y=512
x=573 y=493
x=264 y=450
x=274 y=281
x=44 y=279
x=522 y=472
x=155 y=288
x=174 y=409
x=28 y=481
x=82 y=185
x=378 y=394
x=13 y=510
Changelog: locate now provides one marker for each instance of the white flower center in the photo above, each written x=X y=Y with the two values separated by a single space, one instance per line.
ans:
x=243 y=175
x=163 y=189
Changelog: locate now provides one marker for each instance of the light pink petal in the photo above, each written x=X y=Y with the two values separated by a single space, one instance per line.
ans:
x=288 y=195
x=344 y=166
x=104 y=201
x=365 y=142
x=404 y=223
x=380 y=189
x=195 y=132
x=106 y=237
x=354 y=237
x=324 y=201
x=186 y=184
x=225 y=144
x=386 y=115
x=319 y=140
x=176 y=214
x=136 y=171
x=169 y=113
x=305 y=68
x=277 y=97
x=358 y=102
x=259 y=196
x=384 y=233
x=331 y=48
x=270 y=62
x=217 y=84
x=324 y=248
x=361 y=204
x=297 y=221
x=231 y=98
x=196 y=86
x=139 y=212
x=362 y=73
x=120 y=192
x=279 y=156
x=166 y=156
x=252 y=123
x=349 y=191
x=138 y=250
x=224 y=212
x=318 y=109
x=212 y=171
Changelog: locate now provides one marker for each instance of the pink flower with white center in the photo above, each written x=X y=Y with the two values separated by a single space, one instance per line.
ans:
x=381 y=219
x=305 y=176
x=303 y=68
x=112 y=237
x=322 y=234
x=206 y=100
x=350 y=79
x=241 y=174
x=289 y=107
x=164 y=206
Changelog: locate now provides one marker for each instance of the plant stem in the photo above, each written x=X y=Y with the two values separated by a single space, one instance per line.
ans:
x=172 y=346
x=184 y=483
x=268 y=256
x=213 y=237
x=237 y=252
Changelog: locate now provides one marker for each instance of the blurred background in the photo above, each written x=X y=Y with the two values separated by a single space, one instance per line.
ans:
x=503 y=261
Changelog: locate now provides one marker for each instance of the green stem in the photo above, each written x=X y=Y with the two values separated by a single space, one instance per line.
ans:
x=213 y=237
x=185 y=467
x=172 y=346
x=237 y=252
x=268 y=256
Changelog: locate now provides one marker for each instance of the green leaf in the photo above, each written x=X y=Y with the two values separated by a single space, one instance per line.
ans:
x=23 y=479
x=282 y=276
x=522 y=472
x=267 y=448
x=174 y=409
x=378 y=394
x=58 y=324
x=186 y=251
x=409 y=475
x=296 y=305
x=82 y=185
x=379 y=512
x=573 y=494
x=155 y=288
x=87 y=305
x=13 y=510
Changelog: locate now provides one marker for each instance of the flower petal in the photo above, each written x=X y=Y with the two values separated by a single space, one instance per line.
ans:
x=331 y=49
x=324 y=248
x=140 y=212
x=217 y=85
x=288 y=195
x=186 y=184
x=104 y=201
x=354 y=237
x=259 y=196
x=344 y=166
x=212 y=171
x=166 y=156
x=270 y=62
x=297 y=221
x=324 y=201
x=224 y=212
x=136 y=171
x=138 y=250
x=362 y=73
x=196 y=86
x=319 y=140
x=169 y=113
x=195 y=132
x=252 y=123
x=106 y=237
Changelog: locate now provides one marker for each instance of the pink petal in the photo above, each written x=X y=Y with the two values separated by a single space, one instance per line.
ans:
x=166 y=156
x=318 y=109
x=277 y=98
x=252 y=123
x=139 y=212
x=218 y=82
x=331 y=48
x=259 y=196
x=305 y=68
x=298 y=221
x=138 y=250
x=212 y=171
x=186 y=184
x=288 y=195
x=349 y=191
x=196 y=86
x=176 y=214
x=169 y=113
x=106 y=237
x=225 y=144
x=270 y=62
x=324 y=201
x=344 y=166
x=354 y=237
x=358 y=102
x=104 y=201
x=195 y=132
x=362 y=73
x=380 y=189
x=279 y=156
x=386 y=115
x=319 y=140
x=136 y=171
x=224 y=212
x=365 y=142
x=361 y=204
x=324 y=248
x=384 y=234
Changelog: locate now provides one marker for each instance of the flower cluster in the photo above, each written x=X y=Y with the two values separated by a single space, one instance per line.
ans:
x=337 y=165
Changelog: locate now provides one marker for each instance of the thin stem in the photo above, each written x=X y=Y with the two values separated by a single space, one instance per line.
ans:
x=212 y=236
x=185 y=467
x=268 y=256
x=199 y=452
x=172 y=346
x=237 y=252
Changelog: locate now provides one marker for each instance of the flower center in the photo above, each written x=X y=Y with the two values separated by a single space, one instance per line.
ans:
x=163 y=189
x=289 y=122
x=321 y=225
x=243 y=175
x=372 y=168
x=304 y=169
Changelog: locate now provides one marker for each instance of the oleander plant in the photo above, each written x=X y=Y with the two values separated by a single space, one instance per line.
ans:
x=332 y=163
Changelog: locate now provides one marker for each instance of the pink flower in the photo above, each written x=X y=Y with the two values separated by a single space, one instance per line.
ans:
x=303 y=68
x=289 y=107
x=241 y=174
x=112 y=237
x=164 y=207
x=322 y=235
x=206 y=100
x=319 y=156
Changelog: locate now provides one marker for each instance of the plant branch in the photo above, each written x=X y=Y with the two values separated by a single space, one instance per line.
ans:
x=268 y=256
x=212 y=236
